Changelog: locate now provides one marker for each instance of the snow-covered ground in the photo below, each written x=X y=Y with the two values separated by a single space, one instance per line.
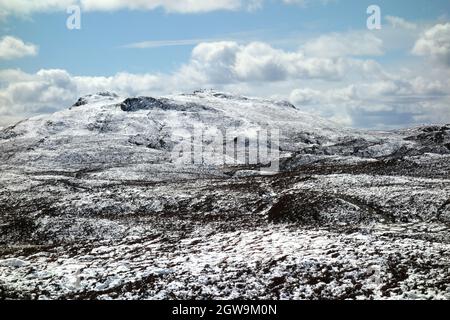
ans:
x=271 y=262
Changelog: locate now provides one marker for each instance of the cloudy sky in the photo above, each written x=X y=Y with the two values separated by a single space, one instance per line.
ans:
x=318 y=54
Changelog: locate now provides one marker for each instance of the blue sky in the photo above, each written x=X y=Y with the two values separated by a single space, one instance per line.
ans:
x=106 y=46
x=97 y=49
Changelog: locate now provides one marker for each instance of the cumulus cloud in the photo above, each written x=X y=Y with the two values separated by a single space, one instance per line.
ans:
x=184 y=6
x=165 y=43
x=435 y=43
x=51 y=89
x=32 y=93
x=345 y=44
x=398 y=22
x=27 y=7
x=380 y=104
x=228 y=61
x=13 y=48
x=124 y=83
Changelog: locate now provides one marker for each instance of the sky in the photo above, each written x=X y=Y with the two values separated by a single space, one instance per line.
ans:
x=318 y=54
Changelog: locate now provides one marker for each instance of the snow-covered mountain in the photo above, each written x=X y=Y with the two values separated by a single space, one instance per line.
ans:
x=94 y=205
x=107 y=131
x=105 y=128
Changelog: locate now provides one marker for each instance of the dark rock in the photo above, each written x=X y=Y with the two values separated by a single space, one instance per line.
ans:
x=80 y=102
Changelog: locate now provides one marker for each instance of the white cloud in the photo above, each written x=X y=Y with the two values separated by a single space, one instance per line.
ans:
x=29 y=93
x=228 y=61
x=166 y=43
x=345 y=44
x=435 y=43
x=51 y=89
x=124 y=83
x=183 y=6
x=13 y=48
x=27 y=7
x=398 y=22
x=305 y=96
x=380 y=104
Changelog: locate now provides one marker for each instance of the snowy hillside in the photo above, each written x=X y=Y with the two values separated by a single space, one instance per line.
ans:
x=93 y=204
